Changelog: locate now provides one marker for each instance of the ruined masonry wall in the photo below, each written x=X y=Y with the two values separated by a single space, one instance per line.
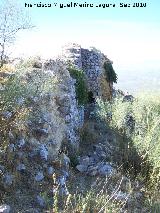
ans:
x=91 y=62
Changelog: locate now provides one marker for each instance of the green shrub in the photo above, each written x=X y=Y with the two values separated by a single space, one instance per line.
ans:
x=28 y=62
x=111 y=76
x=96 y=199
x=16 y=96
x=81 y=88
x=145 y=137
x=138 y=151
x=25 y=83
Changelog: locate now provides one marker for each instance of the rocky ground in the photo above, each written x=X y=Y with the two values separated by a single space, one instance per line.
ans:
x=98 y=165
x=30 y=175
x=93 y=166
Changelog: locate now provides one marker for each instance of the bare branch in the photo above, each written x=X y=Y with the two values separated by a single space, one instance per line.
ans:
x=12 y=20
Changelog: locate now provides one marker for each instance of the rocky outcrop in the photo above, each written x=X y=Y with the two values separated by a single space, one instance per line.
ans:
x=32 y=155
x=65 y=98
x=52 y=117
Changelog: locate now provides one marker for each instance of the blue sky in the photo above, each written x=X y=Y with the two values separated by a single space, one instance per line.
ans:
x=128 y=36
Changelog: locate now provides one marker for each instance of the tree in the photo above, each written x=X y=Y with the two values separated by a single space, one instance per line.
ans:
x=12 y=20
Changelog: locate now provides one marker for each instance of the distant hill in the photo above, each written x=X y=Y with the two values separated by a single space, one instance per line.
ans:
x=137 y=81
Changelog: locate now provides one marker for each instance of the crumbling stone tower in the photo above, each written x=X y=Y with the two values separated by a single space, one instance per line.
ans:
x=91 y=61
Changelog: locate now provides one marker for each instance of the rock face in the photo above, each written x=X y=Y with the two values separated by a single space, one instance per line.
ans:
x=95 y=163
x=91 y=61
x=65 y=100
x=53 y=116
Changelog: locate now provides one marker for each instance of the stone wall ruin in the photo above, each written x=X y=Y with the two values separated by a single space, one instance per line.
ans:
x=91 y=61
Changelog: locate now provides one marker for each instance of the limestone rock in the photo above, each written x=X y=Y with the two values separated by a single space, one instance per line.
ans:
x=81 y=168
x=11 y=148
x=8 y=179
x=32 y=210
x=50 y=170
x=65 y=161
x=65 y=174
x=20 y=101
x=5 y=208
x=39 y=176
x=128 y=98
x=20 y=167
x=62 y=181
x=21 y=143
x=63 y=191
x=92 y=170
x=37 y=64
x=2 y=169
x=43 y=152
x=11 y=136
x=121 y=196
x=85 y=160
x=40 y=201
x=7 y=114
x=105 y=169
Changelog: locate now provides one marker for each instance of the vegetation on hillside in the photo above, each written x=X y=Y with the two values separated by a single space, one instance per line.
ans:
x=97 y=199
x=139 y=124
x=18 y=90
x=80 y=85
x=111 y=76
